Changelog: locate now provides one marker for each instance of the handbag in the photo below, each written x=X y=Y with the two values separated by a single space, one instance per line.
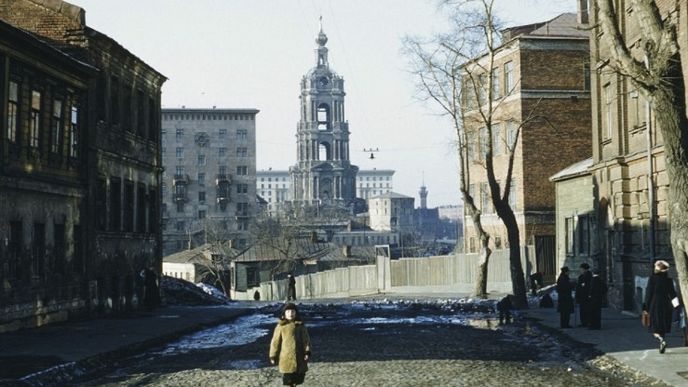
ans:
x=645 y=318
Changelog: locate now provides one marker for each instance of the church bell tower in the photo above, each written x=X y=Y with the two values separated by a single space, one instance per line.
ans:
x=323 y=174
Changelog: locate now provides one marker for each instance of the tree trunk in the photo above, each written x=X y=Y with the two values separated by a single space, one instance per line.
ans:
x=670 y=110
x=518 y=283
x=480 y=283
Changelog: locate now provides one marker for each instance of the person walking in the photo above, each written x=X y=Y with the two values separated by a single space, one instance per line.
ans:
x=598 y=293
x=291 y=288
x=290 y=347
x=565 y=304
x=658 y=302
x=583 y=294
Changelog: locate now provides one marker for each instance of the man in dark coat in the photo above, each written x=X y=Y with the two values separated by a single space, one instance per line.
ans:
x=565 y=303
x=598 y=293
x=151 y=298
x=658 y=302
x=583 y=294
x=291 y=289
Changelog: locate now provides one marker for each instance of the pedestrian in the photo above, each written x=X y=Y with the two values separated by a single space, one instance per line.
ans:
x=565 y=300
x=290 y=347
x=536 y=281
x=504 y=307
x=291 y=287
x=151 y=288
x=583 y=294
x=659 y=295
x=598 y=293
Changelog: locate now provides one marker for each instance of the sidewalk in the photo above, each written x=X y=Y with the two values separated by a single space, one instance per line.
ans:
x=95 y=342
x=623 y=338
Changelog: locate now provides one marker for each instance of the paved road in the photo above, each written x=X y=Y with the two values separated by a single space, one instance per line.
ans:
x=374 y=344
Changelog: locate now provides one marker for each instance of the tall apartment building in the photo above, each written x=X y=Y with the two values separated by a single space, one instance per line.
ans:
x=373 y=182
x=541 y=70
x=79 y=170
x=209 y=182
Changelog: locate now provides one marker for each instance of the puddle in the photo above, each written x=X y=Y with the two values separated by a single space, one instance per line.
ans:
x=241 y=365
x=243 y=330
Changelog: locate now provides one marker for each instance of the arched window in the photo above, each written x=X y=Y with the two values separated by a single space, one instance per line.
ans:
x=323 y=116
x=324 y=151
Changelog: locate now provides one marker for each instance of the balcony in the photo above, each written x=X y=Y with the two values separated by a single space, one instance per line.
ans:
x=223 y=179
x=179 y=197
x=181 y=179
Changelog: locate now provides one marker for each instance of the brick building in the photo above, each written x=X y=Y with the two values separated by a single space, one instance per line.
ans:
x=209 y=183
x=541 y=71
x=80 y=167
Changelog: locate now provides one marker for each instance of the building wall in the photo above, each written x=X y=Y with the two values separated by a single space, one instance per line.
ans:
x=388 y=213
x=622 y=157
x=373 y=182
x=210 y=175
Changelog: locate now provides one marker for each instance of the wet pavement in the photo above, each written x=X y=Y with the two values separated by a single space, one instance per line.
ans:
x=374 y=343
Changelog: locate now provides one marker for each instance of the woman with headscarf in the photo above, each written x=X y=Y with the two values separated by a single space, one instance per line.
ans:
x=658 y=302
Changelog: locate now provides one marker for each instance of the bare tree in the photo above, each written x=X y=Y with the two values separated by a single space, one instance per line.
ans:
x=656 y=68
x=456 y=71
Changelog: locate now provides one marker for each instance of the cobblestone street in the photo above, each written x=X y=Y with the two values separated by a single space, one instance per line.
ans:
x=376 y=344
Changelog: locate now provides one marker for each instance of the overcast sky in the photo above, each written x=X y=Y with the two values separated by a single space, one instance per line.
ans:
x=253 y=53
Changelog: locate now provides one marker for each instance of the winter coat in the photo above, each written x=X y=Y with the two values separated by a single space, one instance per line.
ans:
x=564 y=288
x=583 y=287
x=598 y=291
x=290 y=343
x=658 y=295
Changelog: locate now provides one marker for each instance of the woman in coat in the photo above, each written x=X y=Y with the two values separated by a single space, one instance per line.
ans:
x=565 y=303
x=658 y=295
x=290 y=346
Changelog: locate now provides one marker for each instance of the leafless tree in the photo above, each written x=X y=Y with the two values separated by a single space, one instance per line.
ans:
x=655 y=66
x=457 y=71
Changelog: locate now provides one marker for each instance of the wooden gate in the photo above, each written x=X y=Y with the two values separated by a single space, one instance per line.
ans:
x=545 y=258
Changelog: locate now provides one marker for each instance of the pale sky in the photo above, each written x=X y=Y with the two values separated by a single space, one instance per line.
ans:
x=253 y=53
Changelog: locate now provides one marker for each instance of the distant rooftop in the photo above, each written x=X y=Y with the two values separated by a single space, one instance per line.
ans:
x=573 y=170
x=391 y=195
x=564 y=25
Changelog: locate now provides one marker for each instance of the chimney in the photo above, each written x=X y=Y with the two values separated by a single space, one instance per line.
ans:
x=583 y=12
x=346 y=251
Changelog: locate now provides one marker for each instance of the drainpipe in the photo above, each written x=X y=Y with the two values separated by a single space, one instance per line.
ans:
x=650 y=170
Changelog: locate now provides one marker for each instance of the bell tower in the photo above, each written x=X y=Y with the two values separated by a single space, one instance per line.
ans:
x=323 y=173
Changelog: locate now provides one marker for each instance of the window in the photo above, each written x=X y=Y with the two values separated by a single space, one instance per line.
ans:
x=201 y=159
x=115 y=203
x=179 y=134
x=583 y=235
x=241 y=134
x=242 y=225
x=242 y=209
x=482 y=89
x=242 y=170
x=35 y=119
x=180 y=226
x=323 y=116
x=114 y=100
x=201 y=214
x=179 y=170
x=56 y=127
x=179 y=153
x=242 y=151
x=223 y=133
x=74 y=132
x=512 y=195
x=508 y=77
x=568 y=224
x=129 y=206
x=180 y=207
x=586 y=77
x=484 y=142
x=496 y=91
x=607 y=120
x=222 y=151
x=222 y=169
x=485 y=198
x=38 y=250
x=201 y=179
x=470 y=146
x=511 y=134
x=128 y=118
x=153 y=117
x=636 y=105
x=140 y=114
x=471 y=244
x=15 y=246
x=496 y=140
x=13 y=112
x=201 y=196
x=141 y=208
x=242 y=188
x=101 y=204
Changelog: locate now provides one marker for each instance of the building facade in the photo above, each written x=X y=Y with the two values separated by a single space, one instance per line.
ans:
x=80 y=167
x=373 y=182
x=541 y=70
x=323 y=174
x=391 y=212
x=274 y=186
x=628 y=167
x=209 y=183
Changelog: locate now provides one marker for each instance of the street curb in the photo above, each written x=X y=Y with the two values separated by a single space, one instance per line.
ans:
x=599 y=359
x=67 y=372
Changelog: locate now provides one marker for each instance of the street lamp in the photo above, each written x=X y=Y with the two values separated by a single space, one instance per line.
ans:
x=372 y=152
